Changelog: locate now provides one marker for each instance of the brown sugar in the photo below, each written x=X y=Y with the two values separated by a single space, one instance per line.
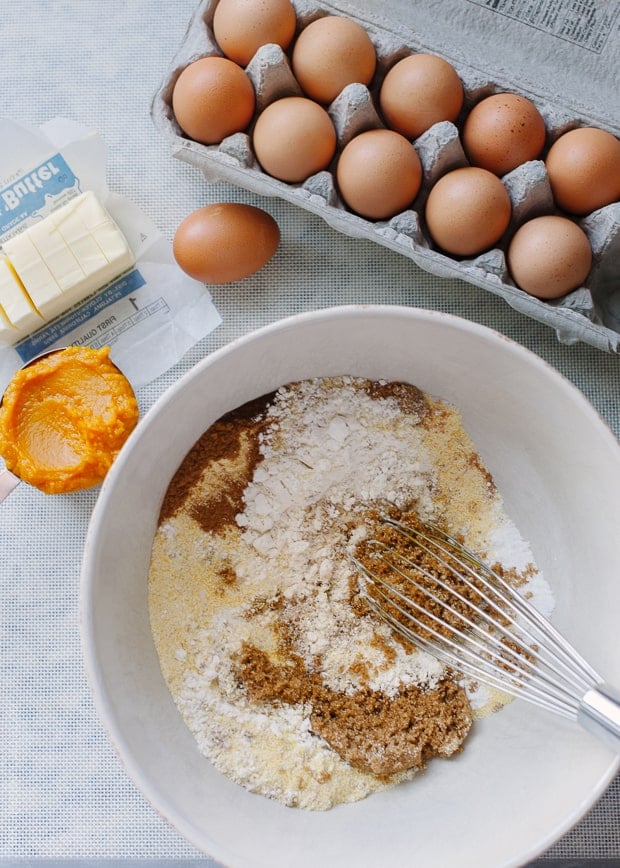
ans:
x=439 y=599
x=388 y=734
x=371 y=731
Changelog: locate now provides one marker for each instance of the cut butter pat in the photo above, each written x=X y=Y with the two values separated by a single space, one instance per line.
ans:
x=7 y=331
x=33 y=273
x=18 y=309
x=56 y=263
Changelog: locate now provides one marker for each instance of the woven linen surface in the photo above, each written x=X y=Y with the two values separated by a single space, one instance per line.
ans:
x=64 y=794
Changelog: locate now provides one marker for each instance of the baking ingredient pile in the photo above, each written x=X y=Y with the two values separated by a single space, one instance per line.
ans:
x=290 y=687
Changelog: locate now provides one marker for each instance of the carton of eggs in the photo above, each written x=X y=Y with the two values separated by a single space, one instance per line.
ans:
x=454 y=163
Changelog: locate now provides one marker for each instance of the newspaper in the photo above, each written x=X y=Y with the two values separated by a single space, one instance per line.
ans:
x=567 y=51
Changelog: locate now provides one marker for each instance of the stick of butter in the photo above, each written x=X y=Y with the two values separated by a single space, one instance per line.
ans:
x=56 y=263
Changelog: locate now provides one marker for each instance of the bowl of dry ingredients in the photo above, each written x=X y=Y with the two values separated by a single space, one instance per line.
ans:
x=259 y=706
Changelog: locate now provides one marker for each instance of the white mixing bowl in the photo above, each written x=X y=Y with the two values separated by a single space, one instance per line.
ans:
x=525 y=777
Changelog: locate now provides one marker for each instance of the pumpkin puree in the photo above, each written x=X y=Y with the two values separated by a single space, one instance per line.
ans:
x=64 y=418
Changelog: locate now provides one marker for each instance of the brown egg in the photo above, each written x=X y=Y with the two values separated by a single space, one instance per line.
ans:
x=584 y=170
x=240 y=27
x=467 y=211
x=213 y=98
x=419 y=91
x=379 y=174
x=294 y=138
x=330 y=53
x=549 y=256
x=225 y=242
x=503 y=131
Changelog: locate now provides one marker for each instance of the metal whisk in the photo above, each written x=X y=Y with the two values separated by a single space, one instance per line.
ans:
x=440 y=596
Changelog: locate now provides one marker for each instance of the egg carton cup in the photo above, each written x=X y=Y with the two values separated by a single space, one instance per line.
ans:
x=590 y=314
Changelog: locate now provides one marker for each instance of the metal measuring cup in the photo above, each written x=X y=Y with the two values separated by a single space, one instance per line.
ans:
x=9 y=480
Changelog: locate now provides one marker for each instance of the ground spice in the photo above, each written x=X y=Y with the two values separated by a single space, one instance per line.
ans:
x=409 y=398
x=221 y=445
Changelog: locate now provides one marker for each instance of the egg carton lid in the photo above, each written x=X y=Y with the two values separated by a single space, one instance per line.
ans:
x=487 y=40
x=565 y=51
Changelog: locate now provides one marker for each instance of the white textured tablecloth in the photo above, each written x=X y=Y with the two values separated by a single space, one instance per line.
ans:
x=63 y=793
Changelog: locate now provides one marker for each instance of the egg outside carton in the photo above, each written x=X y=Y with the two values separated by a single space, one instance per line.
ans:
x=585 y=314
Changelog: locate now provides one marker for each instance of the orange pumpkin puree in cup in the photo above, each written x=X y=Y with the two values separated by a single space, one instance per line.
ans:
x=64 y=418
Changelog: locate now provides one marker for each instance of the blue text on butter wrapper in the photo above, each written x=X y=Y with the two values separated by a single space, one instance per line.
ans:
x=27 y=194
x=50 y=334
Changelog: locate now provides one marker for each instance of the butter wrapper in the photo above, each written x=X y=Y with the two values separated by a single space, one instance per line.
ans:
x=149 y=316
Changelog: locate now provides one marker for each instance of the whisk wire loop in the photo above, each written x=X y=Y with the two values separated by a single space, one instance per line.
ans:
x=533 y=627
x=525 y=620
x=447 y=626
x=554 y=639
x=457 y=608
x=453 y=655
x=470 y=646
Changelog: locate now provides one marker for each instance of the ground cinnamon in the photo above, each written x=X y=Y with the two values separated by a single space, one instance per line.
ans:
x=220 y=445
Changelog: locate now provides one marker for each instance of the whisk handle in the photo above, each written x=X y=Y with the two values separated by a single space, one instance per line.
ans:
x=599 y=713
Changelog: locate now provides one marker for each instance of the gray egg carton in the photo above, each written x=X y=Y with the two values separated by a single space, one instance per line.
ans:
x=590 y=313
